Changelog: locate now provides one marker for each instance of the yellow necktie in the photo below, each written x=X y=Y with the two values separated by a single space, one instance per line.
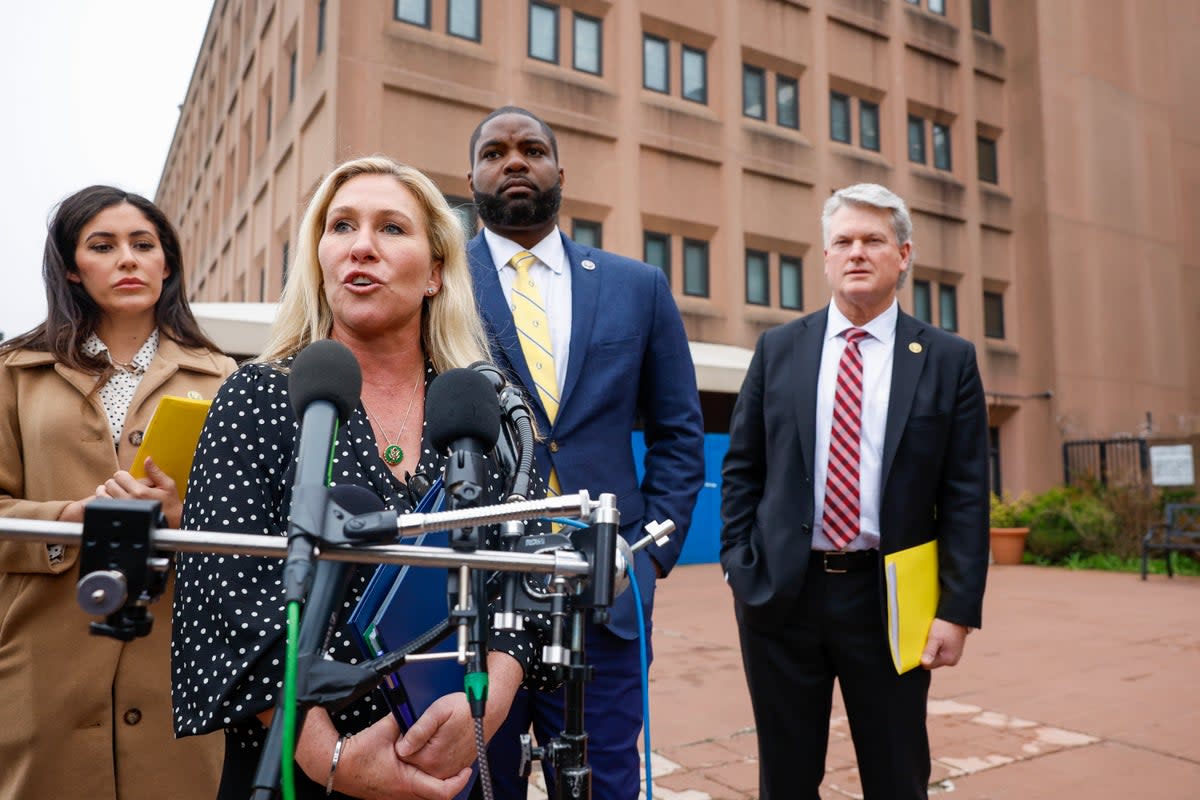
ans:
x=533 y=326
x=533 y=329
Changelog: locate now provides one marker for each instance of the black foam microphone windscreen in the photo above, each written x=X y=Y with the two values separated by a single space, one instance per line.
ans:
x=325 y=370
x=461 y=404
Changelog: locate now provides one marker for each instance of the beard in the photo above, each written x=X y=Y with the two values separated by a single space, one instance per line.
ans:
x=498 y=211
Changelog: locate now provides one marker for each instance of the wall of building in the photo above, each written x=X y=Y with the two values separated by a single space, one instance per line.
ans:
x=1084 y=232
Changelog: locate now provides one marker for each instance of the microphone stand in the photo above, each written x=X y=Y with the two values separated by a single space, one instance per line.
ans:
x=582 y=566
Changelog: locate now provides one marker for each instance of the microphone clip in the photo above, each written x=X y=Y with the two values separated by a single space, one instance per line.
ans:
x=120 y=574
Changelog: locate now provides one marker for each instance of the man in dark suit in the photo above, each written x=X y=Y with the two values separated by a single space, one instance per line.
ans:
x=615 y=353
x=859 y=431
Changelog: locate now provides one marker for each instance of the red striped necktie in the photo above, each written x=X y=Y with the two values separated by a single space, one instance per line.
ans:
x=842 y=512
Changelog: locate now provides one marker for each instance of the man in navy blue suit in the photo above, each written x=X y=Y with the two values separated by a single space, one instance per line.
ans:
x=616 y=353
x=859 y=431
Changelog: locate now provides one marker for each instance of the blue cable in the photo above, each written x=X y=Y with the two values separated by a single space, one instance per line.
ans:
x=570 y=523
x=641 y=618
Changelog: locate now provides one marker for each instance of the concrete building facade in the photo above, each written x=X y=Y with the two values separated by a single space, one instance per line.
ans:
x=1049 y=151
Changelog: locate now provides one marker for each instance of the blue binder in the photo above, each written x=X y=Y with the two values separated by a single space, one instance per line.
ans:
x=400 y=603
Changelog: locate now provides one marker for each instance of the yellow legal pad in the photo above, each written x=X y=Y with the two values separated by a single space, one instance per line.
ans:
x=912 y=597
x=171 y=438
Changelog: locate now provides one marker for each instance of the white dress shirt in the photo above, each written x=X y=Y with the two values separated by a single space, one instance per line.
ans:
x=877 y=353
x=552 y=274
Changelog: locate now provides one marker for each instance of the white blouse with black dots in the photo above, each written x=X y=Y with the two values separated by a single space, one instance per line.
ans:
x=117 y=392
x=228 y=632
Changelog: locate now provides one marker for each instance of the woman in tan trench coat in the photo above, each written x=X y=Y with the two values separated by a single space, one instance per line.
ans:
x=83 y=716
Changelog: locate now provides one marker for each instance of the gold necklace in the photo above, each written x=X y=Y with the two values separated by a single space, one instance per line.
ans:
x=393 y=454
x=129 y=366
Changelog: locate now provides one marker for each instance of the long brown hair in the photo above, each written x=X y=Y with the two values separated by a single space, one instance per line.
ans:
x=72 y=314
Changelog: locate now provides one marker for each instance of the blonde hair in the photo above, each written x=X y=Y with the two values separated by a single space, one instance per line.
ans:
x=452 y=333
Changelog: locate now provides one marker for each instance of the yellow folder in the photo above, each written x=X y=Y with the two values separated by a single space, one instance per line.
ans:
x=911 y=576
x=171 y=438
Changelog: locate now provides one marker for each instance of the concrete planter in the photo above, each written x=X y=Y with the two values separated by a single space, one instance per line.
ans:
x=1008 y=545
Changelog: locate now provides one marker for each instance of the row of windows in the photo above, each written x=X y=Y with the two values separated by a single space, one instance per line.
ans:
x=656 y=251
x=754 y=96
x=946 y=316
x=981 y=12
x=841 y=130
x=463 y=21
x=916 y=142
x=935 y=6
x=758 y=280
x=656 y=68
x=462 y=16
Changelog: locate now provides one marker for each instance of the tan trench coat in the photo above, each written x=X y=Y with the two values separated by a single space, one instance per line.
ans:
x=84 y=716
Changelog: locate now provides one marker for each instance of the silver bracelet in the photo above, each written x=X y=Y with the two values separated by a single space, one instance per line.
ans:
x=333 y=765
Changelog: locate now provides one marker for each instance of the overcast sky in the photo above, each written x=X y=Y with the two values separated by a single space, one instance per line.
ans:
x=90 y=93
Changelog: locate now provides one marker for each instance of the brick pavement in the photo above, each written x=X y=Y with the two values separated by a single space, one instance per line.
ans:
x=1080 y=685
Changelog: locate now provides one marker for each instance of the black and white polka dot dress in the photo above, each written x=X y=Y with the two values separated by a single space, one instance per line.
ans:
x=229 y=627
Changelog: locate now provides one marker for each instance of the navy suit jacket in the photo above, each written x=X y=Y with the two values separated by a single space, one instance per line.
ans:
x=934 y=470
x=629 y=362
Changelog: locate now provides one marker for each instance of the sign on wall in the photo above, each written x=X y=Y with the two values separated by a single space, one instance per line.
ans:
x=1172 y=465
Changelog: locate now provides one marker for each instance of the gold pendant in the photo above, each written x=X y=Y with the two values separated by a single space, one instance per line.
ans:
x=393 y=454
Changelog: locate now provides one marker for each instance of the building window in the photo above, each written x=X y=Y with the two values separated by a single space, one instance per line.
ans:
x=868 y=122
x=270 y=116
x=938 y=7
x=414 y=12
x=291 y=77
x=993 y=315
x=758 y=278
x=754 y=92
x=791 y=283
x=462 y=19
x=695 y=75
x=543 y=32
x=988 y=170
x=839 y=117
x=588 y=44
x=787 y=101
x=655 y=64
x=464 y=209
x=922 y=301
x=586 y=233
x=320 y=26
x=656 y=251
x=947 y=307
x=916 y=139
x=941 y=146
x=695 y=267
x=981 y=16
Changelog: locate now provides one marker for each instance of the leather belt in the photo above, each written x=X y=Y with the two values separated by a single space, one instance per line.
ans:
x=836 y=562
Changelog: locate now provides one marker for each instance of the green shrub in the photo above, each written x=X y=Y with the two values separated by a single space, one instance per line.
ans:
x=1067 y=520
x=1009 y=513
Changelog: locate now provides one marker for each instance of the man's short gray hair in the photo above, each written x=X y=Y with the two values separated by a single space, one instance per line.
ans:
x=874 y=196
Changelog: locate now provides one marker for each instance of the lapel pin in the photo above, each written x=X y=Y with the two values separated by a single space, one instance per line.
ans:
x=914 y=347
x=194 y=395
x=587 y=263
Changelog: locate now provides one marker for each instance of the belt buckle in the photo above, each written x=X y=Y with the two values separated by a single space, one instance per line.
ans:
x=825 y=554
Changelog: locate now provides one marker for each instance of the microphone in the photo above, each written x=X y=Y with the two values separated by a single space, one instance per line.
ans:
x=317 y=626
x=324 y=386
x=462 y=416
x=514 y=447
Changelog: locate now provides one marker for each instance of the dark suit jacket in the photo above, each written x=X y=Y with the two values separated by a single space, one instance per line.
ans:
x=934 y=472
x=629 y=358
